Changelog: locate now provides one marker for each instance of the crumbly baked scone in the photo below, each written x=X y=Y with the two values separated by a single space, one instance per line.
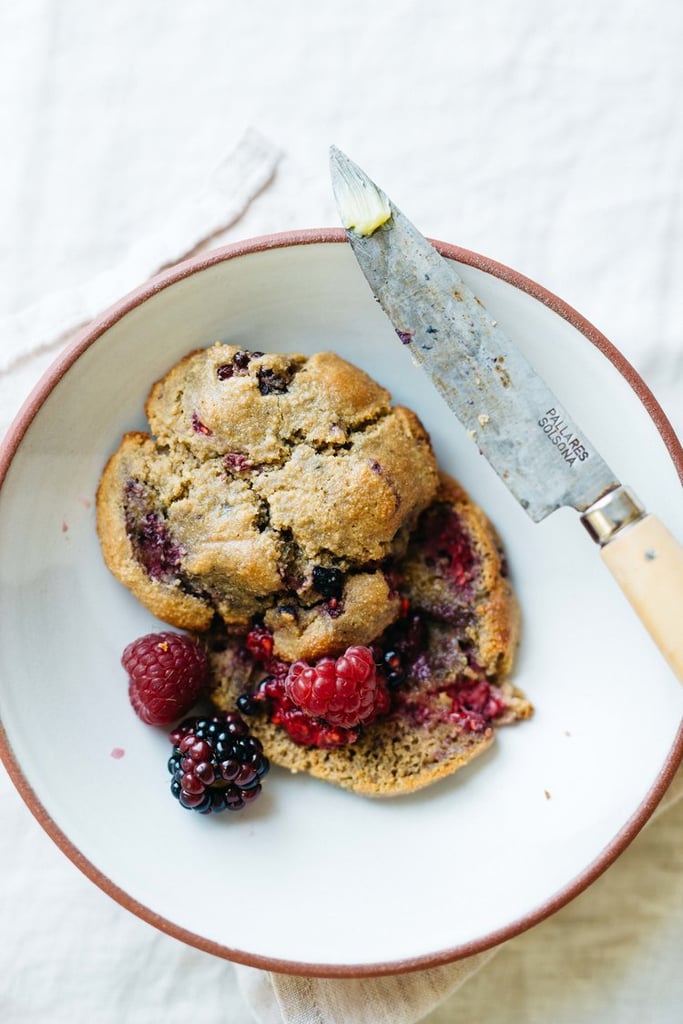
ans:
x=455 y=643
x=270 y=484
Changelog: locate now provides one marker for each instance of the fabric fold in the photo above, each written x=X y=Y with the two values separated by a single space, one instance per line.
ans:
x=393 y=999
x=228 y=191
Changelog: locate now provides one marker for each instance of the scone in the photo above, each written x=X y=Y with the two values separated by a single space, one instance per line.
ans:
x=444 y=664
x=270 y=485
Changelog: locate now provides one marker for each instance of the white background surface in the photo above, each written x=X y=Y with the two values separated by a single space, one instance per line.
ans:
x=546 y=136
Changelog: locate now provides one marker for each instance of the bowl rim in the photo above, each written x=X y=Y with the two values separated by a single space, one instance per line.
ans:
x=10 y=444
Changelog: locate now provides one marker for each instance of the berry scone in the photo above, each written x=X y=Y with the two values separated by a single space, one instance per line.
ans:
x=352 y=600
x=272 y=485
x=420 y=701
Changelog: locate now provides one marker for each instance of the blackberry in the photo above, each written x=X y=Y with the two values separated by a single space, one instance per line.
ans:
x=246 y=704
x=328 y=582
x=394 y=668
x=272 y=383
x=216 y=764
x=400 y=646
x=237 y=366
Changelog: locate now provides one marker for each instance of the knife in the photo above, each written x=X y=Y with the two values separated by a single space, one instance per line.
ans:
x=530 y=440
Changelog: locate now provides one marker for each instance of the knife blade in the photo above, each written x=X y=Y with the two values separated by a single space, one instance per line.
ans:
x=519 y=425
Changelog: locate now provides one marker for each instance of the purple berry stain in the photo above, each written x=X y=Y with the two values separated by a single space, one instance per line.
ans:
x=199 y=427
x=236 y=462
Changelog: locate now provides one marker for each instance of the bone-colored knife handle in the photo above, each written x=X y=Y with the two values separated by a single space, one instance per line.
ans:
x=647 y=563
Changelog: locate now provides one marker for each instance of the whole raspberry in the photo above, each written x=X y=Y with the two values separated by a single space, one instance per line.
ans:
x=343 y=692
x=216 y=764
x=271 y=697
x=167 y=673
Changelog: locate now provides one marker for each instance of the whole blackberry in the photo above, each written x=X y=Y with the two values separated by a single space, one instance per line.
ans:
x=216 y=764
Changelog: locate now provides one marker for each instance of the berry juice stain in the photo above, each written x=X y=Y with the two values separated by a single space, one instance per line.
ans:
x=117 y=753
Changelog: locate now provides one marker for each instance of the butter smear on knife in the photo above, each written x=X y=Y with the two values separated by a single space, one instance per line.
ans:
x=362 y=206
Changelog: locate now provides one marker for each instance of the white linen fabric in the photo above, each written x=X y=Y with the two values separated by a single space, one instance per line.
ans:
x=539 y=962
x=222 y=200
x=546 y=136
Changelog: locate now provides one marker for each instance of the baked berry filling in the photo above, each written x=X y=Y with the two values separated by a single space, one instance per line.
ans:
x=272 y=383
x=199 y=427
x=431 y=681
x=446 y=548
x=328 y=582
x=152 y=543
x=469 y=705
x=237 y=366
x=259 y=642
x=236 y=462
x=155 y=548
x=418 y=671
x=401 y=645
x=334 y=607
x=409 y=681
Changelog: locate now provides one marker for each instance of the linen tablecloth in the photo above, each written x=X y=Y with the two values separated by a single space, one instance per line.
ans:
x=546 y=136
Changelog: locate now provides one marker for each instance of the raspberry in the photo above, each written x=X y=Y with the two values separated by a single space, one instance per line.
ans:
x=342 y=692
x=167 y=673
x=199 y=427
x=271 y=697
x=448 y=547
x=309 y=732
x=259 y=643
x=475 y=705
x=236 y=462
x=216 y=764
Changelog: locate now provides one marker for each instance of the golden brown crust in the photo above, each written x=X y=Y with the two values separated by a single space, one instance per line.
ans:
x=167 y=600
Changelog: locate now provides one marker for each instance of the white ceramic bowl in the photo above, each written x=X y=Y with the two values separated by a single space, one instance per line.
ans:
x=312 y=879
